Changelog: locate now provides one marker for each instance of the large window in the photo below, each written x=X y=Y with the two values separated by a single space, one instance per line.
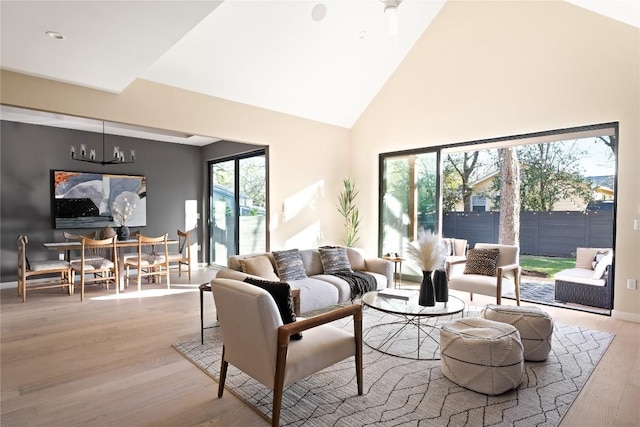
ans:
x=565 y=194
x=238 y=206
x=410 y=198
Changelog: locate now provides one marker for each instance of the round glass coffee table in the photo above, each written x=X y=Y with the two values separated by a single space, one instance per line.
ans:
x=403 y=328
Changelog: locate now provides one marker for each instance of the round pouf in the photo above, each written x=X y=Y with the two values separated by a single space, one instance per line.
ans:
x=482 y=355
x=533 y=323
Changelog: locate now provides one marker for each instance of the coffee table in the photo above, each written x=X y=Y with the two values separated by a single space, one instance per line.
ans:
x=403 y=328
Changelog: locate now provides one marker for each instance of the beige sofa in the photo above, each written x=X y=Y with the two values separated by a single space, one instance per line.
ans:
x=318 y=290
x=587 y=283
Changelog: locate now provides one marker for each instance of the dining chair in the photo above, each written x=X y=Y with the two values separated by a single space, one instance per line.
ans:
x=152 y=260
x=71 y=237
x=490 y=269
x=255 y=340
x=98 y=257
x=183 y=256
x=27 y=269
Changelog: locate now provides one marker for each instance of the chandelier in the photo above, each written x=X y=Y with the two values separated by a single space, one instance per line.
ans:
x=90 y=156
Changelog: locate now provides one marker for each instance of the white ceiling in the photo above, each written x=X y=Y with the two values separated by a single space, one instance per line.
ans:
x=267 y=53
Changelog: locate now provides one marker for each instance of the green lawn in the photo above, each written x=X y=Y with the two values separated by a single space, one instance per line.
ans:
x=546 y=265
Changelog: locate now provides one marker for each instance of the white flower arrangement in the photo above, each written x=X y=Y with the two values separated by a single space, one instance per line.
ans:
x=122 y=208
x=426 y=251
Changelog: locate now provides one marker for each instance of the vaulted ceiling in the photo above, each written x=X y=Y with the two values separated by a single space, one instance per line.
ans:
x=321 y=60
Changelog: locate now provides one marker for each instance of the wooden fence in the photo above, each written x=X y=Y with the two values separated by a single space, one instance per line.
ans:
x=555 y=233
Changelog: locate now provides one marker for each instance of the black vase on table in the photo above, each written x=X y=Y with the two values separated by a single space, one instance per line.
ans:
x=427 y=297
x=123 y=232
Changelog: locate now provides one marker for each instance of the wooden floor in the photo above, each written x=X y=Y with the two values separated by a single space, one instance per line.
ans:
x=108 y=362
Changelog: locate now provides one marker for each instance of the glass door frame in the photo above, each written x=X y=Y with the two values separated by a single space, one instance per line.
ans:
x=413 y=218
x=236 y=159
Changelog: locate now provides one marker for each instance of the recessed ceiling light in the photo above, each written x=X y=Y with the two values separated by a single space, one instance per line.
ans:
x=56 y=35
x=362 y=34
x=318 y=12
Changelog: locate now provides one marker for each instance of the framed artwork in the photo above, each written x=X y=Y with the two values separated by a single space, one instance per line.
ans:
x=96 y=200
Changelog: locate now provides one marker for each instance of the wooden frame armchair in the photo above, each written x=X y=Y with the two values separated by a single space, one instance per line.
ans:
x=28 y=269
x=98 y=257
x=152 y=260
x=256 y=341
x=183 y=256
x=505 y=278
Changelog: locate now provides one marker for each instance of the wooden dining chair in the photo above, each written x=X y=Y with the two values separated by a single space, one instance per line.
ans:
x=183 y=256
x=27 y=269
x=98 y=257
x=71 y=237
x=152 y=260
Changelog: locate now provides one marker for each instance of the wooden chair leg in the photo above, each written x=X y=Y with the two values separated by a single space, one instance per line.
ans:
x=278 y=386
x=358 y=339
x=223 y=374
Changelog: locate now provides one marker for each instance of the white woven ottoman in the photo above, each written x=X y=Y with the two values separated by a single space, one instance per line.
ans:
x=482 y=355
x=533 y=323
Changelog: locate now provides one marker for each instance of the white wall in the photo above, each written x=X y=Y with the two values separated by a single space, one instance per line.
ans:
x=486 y=69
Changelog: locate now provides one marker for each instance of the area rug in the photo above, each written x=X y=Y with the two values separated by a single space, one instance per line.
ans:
x=407 y=392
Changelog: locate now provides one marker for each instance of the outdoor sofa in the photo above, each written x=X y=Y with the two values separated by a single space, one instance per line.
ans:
x=588 y=282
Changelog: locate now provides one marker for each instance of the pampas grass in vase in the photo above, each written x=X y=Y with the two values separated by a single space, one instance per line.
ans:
x=427 y=252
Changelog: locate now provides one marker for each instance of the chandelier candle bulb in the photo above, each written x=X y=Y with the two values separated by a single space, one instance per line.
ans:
x=116 y=150
x=133 y=155
x=92 y=154
x=73 y=152
x=83 y=150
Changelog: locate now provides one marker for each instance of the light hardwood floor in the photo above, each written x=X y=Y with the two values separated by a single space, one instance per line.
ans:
x=109 y=362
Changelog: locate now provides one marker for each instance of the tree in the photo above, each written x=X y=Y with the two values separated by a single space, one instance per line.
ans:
x=552 y=173
x=509 y=233
x=450 y=186
x=465 y=164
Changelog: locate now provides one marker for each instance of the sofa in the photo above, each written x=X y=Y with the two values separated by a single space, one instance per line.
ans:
x=588 y=282
x=318 y=289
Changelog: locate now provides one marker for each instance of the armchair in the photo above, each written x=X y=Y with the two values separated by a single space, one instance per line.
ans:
x=506 y=277
x=256 y=341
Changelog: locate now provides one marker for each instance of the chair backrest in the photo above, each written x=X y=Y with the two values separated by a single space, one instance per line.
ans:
x=153 y=247
x=509 y=254
x=184 y=241
x=93 y=251
x=249 y=320
x=23 y=262
x=70 y=237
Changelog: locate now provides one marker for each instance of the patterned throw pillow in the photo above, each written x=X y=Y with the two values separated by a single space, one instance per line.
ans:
x=334 y=259
x=289 y=265
x=482 y=261
x=597 y=258
x=281 y=293
x=259 y=266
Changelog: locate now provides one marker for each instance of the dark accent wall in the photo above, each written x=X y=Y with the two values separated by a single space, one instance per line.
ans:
x=28 y=153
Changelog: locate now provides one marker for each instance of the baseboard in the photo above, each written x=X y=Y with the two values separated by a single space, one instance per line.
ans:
x=624 y=315
x=9 y=285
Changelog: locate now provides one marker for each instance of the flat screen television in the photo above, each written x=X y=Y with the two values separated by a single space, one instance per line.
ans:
x=96 y=200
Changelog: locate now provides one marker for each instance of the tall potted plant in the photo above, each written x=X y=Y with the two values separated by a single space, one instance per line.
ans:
x=426 y=252
x=349 y=211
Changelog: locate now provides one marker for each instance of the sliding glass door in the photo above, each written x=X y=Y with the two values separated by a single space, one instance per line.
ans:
x=410 y=198
x=237 y=217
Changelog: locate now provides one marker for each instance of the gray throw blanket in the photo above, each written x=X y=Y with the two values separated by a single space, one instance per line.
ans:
x=360 y=282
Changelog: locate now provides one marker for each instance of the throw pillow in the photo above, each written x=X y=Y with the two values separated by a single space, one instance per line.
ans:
x=482 y=261
x=281 y=294
x=602 y=264
x=289 y=265
x=334 y=259
x=259 y=266
x=597 y=257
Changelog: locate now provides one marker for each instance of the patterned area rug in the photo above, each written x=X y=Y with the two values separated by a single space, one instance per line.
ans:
x=406 y=392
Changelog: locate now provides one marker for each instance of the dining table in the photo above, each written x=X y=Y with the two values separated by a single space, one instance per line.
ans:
x=67 y=247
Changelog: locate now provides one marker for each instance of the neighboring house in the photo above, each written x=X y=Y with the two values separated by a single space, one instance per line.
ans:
x=481 y=200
